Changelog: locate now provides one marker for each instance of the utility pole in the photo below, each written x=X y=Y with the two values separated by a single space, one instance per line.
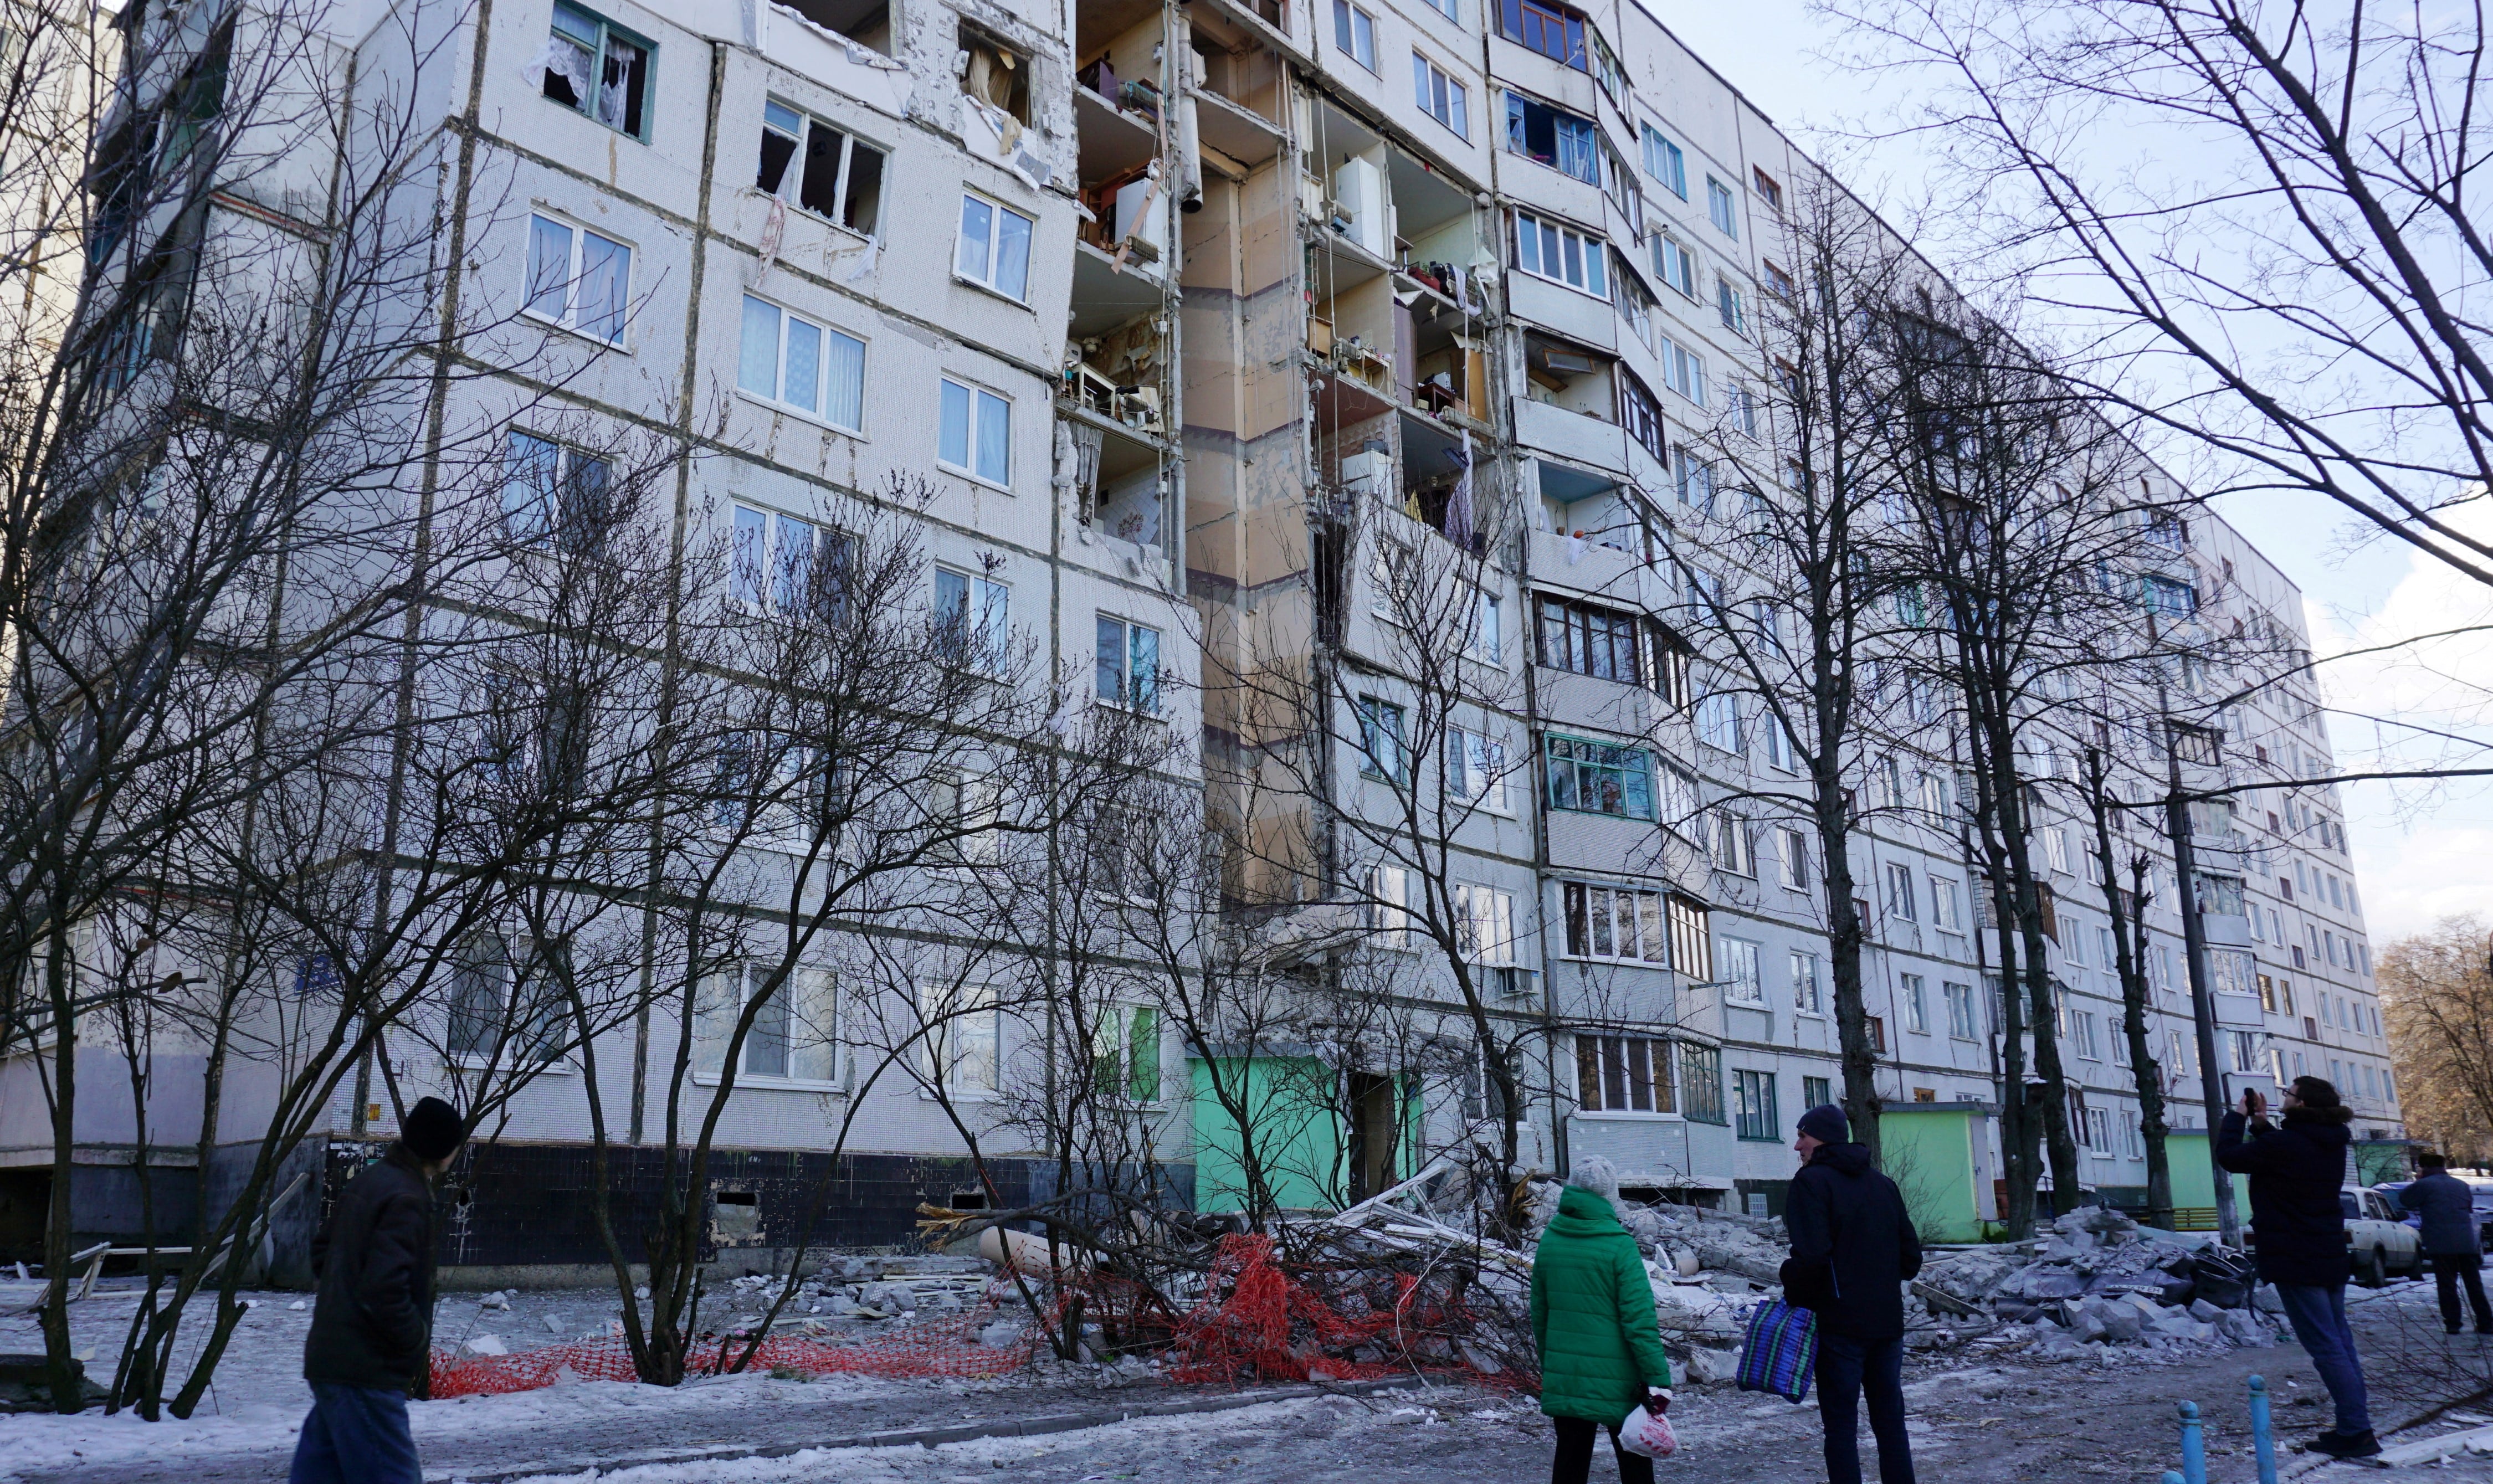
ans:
x=2194 y=944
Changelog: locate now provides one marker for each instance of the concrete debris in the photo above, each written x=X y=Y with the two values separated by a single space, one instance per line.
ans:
x=2099 y=1279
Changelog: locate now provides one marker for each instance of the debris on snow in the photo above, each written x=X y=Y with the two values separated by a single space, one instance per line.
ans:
x=2098 y=1278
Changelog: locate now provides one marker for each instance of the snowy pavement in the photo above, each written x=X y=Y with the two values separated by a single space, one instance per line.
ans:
x=1981 y=1415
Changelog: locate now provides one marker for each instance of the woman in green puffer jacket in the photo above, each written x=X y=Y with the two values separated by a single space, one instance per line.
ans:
x=1601 y=1345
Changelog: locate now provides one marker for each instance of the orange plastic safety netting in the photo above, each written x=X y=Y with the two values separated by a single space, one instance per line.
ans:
x=1264 y=1319
x=938 y=1347
x=1261 y=1318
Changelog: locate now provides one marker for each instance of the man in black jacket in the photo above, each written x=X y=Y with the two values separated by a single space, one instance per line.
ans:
x=372 y=1322
x=1852 y=1249
x=2448 y=1231
x=2297 y=1169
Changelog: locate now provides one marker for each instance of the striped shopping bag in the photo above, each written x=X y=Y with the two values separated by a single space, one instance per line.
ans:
x=1779 y=1350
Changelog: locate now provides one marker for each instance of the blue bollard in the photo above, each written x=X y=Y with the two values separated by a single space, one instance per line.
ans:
x=2170 y=1478
x=2194 y=1447
x=2262 y=1438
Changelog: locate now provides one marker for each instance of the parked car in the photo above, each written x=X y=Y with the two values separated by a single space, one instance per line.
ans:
x=2383 y=1245
x=2480 y=1184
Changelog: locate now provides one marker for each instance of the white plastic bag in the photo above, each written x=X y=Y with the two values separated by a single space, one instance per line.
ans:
x=1648 y=1434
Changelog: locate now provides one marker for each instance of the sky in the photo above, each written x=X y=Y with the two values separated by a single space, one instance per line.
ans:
x=2421 y=852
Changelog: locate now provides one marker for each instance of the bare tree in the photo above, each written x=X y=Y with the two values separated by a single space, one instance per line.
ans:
x=2126 y=909
x=2294 y=299
x=225 y=500
x=1808 y=466
x=2014 y=513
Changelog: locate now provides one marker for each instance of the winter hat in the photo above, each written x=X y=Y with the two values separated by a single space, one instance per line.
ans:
x=432 y=1130
x=1591 y=1172
x=1826 y=1124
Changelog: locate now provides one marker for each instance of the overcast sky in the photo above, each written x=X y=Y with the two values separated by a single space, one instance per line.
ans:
x=2421 y=852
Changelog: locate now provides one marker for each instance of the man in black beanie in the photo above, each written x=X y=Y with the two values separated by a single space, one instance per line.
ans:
x=372 y=1324
x=1853 y=1248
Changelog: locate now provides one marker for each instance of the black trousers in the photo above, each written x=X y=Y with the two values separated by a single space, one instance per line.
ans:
x=1574 y=1458
x=2450 y=1270
x=1847 y=1367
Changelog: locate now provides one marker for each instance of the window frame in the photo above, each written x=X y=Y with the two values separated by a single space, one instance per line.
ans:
x=767 y=593
x=1573 y=139
x=1346 y=18
x=1425 y=77
x=569 y=460
x=1606 y=1063
x=995 y=245
x=1675 y=265
x=1603 y=765
x=1374 y=712
x=1647 y=911
x=1494 y=796
x=981 y=650
x=1960 y=997
x=1129 y=682
x=532 y=290
x=943 y=1022
x=1125 y=1024
x=518 y=1034
x=824 y=984
x=1732 y=954
x=1756 y=1119
x=1676 y=178
x=1722 y=207
x=1591 y=252
x=779 y=370
x=979 y=399
x=1575 y=49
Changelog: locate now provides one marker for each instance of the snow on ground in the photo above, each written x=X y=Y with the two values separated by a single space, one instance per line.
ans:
x=249 y=1417
x=1981 y=1414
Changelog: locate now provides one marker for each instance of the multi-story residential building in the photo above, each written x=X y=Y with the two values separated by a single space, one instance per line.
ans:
x=1200 y=320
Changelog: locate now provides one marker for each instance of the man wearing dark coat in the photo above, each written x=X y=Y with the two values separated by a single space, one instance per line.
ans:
x=1852 y=1249
x=2448 y=1235
x=372 y=1322
x=2297 y=1176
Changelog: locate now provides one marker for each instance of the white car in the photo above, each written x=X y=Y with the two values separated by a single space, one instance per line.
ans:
x=2377 y=1237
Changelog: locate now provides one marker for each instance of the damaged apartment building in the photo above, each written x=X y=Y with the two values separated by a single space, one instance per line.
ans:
x=1186 y=311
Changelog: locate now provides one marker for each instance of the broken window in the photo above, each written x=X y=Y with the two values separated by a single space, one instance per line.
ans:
x=597 y=67
x=973 y=616
x=995 y=75
x=1553 y=137
x=823 y=169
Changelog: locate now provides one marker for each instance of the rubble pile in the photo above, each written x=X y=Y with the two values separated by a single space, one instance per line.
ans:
x=2099 y=1277
x=860 y=1288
